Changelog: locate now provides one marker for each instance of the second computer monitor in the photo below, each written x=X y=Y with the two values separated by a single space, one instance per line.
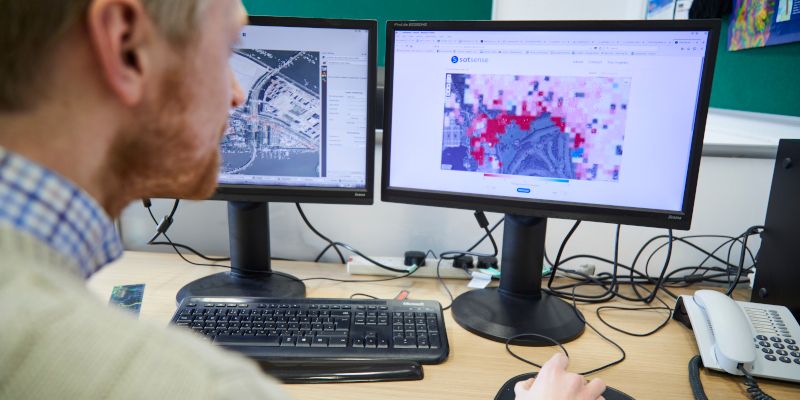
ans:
x=305 y=130
x=304 y=133
x=591 y=120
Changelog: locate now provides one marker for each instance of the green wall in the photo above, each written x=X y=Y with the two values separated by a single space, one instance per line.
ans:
x=381 y=10
x=763 y=80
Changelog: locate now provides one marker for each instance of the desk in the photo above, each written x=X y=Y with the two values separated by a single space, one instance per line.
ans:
x=655 y=367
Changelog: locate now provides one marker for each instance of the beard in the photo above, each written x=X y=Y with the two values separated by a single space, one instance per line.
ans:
x=159 y=154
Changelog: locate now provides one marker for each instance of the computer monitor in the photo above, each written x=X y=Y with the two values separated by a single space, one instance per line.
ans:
x=590 y=120
x=305 y=133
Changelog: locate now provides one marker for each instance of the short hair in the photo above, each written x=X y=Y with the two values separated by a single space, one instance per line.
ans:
x=30 y=29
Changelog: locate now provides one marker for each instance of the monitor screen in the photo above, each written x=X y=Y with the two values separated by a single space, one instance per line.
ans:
x=305 y=120
x=548 y=119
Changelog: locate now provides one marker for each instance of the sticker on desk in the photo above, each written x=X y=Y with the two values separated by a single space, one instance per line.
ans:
x=128 y=297
x=479 y=280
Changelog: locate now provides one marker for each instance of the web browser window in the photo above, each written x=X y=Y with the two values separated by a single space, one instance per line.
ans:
x=589 y=117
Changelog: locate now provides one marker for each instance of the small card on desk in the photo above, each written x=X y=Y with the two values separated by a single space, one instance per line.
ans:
x=128 y=297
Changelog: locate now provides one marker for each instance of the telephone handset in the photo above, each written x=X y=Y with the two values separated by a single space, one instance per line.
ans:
x=762 y=338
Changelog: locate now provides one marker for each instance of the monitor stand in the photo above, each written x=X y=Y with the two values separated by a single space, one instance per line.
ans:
x=519 y=306
x=251 y=274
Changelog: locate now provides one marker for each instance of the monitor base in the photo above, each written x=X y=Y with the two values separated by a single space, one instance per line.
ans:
x=497 y=316
x=227 y=284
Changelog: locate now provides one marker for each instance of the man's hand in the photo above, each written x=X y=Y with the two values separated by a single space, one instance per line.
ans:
x=555 y=383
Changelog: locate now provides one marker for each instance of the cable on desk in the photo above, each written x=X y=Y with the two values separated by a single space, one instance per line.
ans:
x=510 y=341
x=694 y=379
x=318 y=233
x=580 y=316
x=753 y=230
x=162 y=228
x=176 y=246
x=336 y=245
x=444 y=285
x=598 y=312
x=709 y=255
x=557 y=263
x=364 y=256
x=637 y=278
x=486 y=235
x=753 y=390
x=452 y=254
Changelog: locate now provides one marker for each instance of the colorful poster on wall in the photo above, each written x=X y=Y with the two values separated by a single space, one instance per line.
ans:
x=759 y=23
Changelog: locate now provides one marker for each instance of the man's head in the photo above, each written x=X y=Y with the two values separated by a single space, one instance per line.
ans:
x=156 y=70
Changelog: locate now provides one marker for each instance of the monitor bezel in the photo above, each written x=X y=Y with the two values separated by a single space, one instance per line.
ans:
x=318 y=194
x=550 y=209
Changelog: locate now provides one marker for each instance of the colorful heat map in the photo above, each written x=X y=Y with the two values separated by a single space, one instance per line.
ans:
x=544 y=126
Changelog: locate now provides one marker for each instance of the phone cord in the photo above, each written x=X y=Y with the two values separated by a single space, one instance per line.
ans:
x=753 y=390
x=694 y=379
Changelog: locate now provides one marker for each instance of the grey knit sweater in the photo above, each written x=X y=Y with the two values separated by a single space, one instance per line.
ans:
x=59 y=342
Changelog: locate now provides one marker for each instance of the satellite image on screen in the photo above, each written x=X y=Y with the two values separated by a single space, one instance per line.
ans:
x=277 y=131
x=545 y=126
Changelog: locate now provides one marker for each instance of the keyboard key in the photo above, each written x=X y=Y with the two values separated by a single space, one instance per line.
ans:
x=265 y=341
x=434 y=340
x=304 y=341
x=370 y=343
x=288 y=341
x=789 y=341
x=770 y=357
x=785 y=359
x=405 y=343
x=337 y=342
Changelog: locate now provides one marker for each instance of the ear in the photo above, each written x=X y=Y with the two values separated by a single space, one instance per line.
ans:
x=119 y=31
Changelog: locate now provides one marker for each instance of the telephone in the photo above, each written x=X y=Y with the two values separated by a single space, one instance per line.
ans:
x=763 y=338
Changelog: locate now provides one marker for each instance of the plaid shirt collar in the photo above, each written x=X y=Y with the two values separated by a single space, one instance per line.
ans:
x=42 y=203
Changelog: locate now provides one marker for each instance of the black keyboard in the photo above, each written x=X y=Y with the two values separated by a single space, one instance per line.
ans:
x=326 y=329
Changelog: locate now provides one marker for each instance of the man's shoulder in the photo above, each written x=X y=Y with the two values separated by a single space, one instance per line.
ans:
x=68 y=344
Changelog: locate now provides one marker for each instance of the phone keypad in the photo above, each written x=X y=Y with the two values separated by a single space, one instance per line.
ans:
x=774 y=337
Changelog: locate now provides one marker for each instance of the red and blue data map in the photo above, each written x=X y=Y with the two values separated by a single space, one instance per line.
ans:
x=544 y=126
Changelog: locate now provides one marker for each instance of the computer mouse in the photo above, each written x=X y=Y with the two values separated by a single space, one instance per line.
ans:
x=507 y=391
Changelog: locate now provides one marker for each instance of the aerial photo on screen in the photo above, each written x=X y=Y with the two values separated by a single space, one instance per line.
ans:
x=544 y=126
x=277 y=131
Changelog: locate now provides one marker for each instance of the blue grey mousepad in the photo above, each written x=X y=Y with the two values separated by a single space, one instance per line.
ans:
x=507 y=391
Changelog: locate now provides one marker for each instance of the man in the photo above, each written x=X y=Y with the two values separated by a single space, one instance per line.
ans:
x=103 y=102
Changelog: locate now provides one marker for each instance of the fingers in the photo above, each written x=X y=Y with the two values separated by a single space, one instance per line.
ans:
x=523 y=386
x=557 y=363
x=528 y=383
x=594 y=389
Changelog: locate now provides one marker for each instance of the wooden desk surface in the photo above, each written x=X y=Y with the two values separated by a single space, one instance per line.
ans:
x=655 y=366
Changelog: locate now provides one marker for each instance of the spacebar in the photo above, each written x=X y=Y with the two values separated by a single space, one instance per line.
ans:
x=267 y=341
